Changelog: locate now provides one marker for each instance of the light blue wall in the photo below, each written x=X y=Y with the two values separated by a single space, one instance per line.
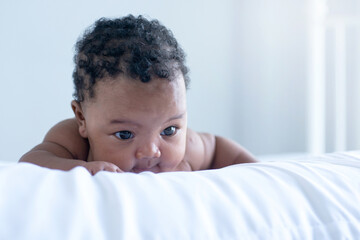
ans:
x=271 y=75
x=248 y=60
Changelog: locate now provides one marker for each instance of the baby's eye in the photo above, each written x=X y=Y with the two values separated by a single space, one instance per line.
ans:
x=124 y=135
x=169 y=131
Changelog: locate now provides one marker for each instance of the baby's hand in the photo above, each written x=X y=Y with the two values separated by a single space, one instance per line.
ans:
x=97 y=166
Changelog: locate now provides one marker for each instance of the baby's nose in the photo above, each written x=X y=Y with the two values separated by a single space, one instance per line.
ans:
x=148 y=151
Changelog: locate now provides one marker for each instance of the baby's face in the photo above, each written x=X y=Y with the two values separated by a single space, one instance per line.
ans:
x=137 y=126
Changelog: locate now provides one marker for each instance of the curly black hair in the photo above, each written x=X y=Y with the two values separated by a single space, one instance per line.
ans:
x=134 y=46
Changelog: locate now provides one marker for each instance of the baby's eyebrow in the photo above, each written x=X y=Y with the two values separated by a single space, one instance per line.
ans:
x=121 y=121
x=176 y=117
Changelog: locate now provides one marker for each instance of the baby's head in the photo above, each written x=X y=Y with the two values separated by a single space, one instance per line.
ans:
x=130 y=46
x=130 y=102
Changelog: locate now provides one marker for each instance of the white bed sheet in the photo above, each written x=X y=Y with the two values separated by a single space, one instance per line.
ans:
x=310 y=198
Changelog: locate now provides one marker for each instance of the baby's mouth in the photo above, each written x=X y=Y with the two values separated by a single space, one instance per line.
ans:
x=155 y=169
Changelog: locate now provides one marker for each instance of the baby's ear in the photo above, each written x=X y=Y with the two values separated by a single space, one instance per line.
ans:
x=79 y=115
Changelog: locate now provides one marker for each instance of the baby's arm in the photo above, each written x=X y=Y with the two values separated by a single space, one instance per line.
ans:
x=63 y=148
x=206 y=151
x=228 y=152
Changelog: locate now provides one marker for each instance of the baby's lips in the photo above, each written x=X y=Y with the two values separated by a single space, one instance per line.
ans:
x=154 y=169
x=139 y=170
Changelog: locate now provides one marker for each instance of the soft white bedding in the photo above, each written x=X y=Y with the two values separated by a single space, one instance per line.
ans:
x=310 y=198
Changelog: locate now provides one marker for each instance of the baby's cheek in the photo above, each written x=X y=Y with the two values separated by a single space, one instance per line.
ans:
x=173 y=157
x=124 y=161
x=115 y=156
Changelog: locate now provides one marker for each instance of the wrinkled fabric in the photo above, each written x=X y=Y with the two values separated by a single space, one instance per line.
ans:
x=310 y=198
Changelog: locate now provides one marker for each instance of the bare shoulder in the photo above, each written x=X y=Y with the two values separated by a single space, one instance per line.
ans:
x=200 y=150
x=66 y=134
x=206 y=151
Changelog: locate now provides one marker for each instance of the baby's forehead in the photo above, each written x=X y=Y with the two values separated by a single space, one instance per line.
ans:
x=149 y=102
x=127 y=87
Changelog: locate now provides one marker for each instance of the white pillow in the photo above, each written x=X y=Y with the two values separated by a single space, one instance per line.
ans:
x=315 y=198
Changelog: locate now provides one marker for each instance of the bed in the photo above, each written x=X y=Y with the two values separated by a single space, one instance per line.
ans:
x=316 y=197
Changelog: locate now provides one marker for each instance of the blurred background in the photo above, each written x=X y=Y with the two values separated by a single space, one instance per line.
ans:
x=279 y=77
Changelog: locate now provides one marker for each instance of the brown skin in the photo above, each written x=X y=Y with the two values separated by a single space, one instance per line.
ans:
x=131 y=126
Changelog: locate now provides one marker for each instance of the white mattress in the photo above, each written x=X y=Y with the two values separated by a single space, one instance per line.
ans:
x=310 y=198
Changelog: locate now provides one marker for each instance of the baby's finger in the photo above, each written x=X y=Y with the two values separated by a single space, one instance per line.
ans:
x=112 y=168
x=94 y=171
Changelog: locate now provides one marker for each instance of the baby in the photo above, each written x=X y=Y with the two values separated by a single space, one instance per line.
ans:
x=130 y=107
